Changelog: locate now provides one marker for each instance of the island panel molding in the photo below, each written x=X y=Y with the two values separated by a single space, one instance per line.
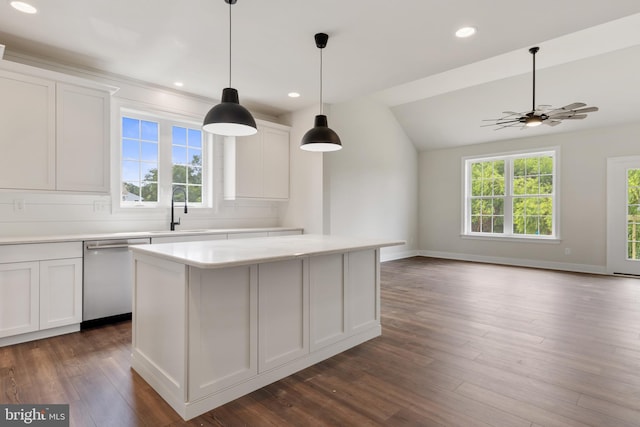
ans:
x=213 y=321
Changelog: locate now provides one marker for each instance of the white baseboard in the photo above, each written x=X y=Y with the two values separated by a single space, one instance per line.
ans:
x=398 y=255
x=550 y=265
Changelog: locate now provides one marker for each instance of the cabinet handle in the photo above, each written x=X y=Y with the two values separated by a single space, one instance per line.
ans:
x=113 y=246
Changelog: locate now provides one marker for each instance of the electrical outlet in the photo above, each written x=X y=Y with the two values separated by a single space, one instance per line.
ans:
x=19 y=205
x=99 y=206
x=567 y=251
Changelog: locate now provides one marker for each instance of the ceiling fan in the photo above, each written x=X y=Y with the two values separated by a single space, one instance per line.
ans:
x=543 y=114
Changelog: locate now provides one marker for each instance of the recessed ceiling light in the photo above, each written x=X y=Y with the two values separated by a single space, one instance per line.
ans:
x=465 y=32
x=23 y=7
x=293 y=95
x=179 y=84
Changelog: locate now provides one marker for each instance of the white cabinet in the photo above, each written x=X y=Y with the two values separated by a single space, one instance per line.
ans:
x=283 y=309
x=257 y=166
x=223 y=343
x=82 y=135
x=344 y=294
x=54 y=135
x=328 y=296
x=40 y=289
x=19 y=287
x=60 y=292
x=363 y=291
x=27 y=133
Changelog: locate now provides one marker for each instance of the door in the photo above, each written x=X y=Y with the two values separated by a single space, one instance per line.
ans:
x=623 y=215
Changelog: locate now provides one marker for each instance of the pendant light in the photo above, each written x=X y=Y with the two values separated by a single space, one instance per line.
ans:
x=229 y=118
x=321 y=137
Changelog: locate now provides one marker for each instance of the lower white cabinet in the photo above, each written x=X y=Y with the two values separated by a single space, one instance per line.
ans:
x=344 y=294
x=41 y=291
x=283 y=308
x=19 y=305
x=223 y=337
x=60 y=292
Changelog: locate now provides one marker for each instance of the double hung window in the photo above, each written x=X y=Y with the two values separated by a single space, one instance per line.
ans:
x=511 y=195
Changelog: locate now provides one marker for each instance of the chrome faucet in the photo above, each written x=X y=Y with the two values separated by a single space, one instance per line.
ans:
x=173 y=223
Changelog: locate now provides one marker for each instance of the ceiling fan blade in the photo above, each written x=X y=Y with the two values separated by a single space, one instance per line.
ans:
x=551 y=122
x=574 y=117
x=586 y=110
x=573 y=106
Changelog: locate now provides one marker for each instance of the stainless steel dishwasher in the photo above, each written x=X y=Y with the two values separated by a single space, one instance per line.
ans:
x=108 y=280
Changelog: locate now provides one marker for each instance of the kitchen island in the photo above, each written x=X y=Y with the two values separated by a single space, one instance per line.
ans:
x=215 y=320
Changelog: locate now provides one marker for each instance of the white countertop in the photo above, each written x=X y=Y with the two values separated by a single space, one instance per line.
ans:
x=229 y=253
x=12 y=240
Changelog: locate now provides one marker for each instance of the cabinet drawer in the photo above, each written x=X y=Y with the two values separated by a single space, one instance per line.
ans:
x=40 y=251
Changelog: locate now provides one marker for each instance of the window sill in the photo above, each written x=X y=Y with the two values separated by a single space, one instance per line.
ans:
x=521 y=239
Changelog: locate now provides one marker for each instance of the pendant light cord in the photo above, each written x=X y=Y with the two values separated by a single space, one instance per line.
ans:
x=321 y=103
x=229 y=44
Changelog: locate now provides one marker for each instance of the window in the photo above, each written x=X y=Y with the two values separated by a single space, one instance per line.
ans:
x=161 y=157
x=512 y=195
x=633 y=214
x=139 y=160
x=187 y=163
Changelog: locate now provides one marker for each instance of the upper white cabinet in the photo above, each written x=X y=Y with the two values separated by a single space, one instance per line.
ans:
x=257 y=166
x=54 y=135
x=82 y=135
x=27 y=132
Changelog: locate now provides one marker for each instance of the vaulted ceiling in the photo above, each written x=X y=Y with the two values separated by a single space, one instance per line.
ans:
x=403 y=53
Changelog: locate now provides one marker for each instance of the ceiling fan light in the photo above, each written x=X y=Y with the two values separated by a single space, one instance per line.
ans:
x=229 y=118
x=321 y=137
x=533 y=121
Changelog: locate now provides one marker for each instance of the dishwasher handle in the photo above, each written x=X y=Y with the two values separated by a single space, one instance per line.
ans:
x=113 y=246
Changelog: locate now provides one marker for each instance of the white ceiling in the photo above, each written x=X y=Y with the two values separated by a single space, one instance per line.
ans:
x=404 y=52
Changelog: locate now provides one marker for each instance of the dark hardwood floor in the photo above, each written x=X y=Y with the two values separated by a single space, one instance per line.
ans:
x=463 y=344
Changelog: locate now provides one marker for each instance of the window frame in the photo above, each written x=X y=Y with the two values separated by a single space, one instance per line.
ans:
x=165 y=121
x=509 y=196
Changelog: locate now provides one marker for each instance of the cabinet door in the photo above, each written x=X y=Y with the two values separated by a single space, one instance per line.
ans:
x=27 y=133
x=223 y=313
x=328 y=299
x=82 y=154
x=283 y=312
x=363 y=289
x=60 y=292
x=18 y=298
x=249 y=166
x=275 y=164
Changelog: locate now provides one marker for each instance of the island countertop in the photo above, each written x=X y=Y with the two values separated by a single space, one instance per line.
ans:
x=229 y=253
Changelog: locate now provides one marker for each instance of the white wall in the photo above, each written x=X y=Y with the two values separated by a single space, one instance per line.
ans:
x=304 y=208
x=582 y=172
x=371 y=184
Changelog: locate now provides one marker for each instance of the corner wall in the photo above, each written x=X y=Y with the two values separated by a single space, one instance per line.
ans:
x=371 y=184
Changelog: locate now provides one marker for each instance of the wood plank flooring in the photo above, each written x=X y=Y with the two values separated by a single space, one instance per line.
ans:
x=463 y=344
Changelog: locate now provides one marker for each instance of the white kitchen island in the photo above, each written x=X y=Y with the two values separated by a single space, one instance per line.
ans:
x=215 y=320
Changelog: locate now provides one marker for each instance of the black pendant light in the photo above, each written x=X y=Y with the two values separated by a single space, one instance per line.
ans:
x=321 y=137
x=229 y=118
